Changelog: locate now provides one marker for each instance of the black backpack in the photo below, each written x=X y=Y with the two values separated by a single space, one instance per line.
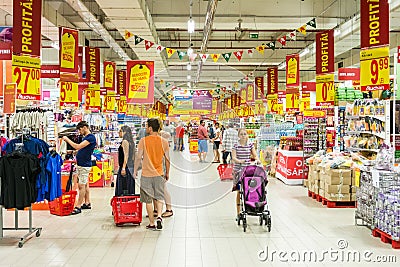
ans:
x=212 y=133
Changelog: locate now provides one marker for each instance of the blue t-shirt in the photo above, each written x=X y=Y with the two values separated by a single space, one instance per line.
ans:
x=84 y=155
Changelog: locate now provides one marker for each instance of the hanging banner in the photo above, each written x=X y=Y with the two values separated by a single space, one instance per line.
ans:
x=121 y=82
x=27 y=25
x=272 y=103
x=5 y=50
x=50 y=71
x=293 y=70
x=140 y=80
x=121 y=105
x=308 y=87
x=292 y=99
x=92 y=56
x=259 y=108
x=134 y=110
x=305 y=101
x=10 y=93
x=26 y=74
x=250 y=93
x=375 y=69
x=325 y=56
x=109 y=75
x=281 y=97
x=214 y=106
x=92 y=98
x=272 y=74
x=68 y=53
x=243 y=95
x=349 y=74
x=109 y=102
x=374 y=23
x=259 y=88
x=80 y=62
x=69 y=95
x=202 y=100
x=325 y=90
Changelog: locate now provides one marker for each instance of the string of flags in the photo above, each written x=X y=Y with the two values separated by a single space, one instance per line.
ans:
x=226 y=56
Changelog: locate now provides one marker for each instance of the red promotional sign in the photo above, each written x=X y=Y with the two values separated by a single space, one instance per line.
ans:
x=121 y=82
x=109 y=75
x=27 y=25
x=92 y=55
x=50 y=71
x=293 y=70
x=325 y=56
x=291 y=167
x=272 y=74
x=10 y=92
x=68 y=53
x=80 y=62
x=349 y=74
x=5 y=50
x=308 y=87
x=250 y=93
x=374 y=23
x=281 y=96
x=259 y=88
x=140 y=81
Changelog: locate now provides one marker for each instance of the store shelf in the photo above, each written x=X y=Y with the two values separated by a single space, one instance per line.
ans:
x=380 y=135
x=381 y=118
x=362 y=149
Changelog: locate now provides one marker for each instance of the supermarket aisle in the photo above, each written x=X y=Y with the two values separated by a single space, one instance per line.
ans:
x=205 y=234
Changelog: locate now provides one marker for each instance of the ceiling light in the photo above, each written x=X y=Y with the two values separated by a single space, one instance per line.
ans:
x=337 y=32
x=191 y=25
x=189 y=66
x=189 y=84
x=189 y=77
x=55 y=45
x=304 y=52
x=282 y=66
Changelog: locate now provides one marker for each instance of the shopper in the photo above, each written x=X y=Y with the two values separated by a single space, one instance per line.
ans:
x=152 y=150
x=142 y=132
x=180 y=133
x=84 y=164
x=242 y=153
x=202 y=141
x=217 y=142
x=167 y=196
x=229 y=138
x=126 y=157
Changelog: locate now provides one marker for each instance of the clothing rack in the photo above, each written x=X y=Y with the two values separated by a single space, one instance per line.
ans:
x=31 y=230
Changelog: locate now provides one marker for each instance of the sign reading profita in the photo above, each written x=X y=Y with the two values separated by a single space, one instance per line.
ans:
x=375 y=69
x=26 y=74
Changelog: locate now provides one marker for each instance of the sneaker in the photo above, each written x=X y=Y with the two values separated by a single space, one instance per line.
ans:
x=159 y=223
x=151 y=227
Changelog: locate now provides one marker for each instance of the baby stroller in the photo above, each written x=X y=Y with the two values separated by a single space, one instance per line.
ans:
x=253 y=201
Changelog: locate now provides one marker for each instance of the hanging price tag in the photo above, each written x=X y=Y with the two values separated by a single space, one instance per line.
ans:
x=375 y=69
x=121 y=105
x=109 y=103
x=26 y=74
x=272 y=102
x=93 y=101
x=292 y=101
x=69 y=94
x=325 y=90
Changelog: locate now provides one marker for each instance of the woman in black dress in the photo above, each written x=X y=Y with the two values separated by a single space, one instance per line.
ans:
x=126 y=157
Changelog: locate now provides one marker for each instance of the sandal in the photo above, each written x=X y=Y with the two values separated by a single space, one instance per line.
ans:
x=167 y=213
x=76 y=211
x=86 y=206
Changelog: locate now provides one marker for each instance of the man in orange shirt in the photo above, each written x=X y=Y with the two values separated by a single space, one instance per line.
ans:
x=152 y=149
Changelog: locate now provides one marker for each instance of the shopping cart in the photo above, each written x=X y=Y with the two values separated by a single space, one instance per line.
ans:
x=127 y=209
x=225 y=171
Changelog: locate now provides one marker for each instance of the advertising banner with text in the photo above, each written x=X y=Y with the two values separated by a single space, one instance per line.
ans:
x=26 y=74
x=109 y=75
x=375 y=69
x=293 y=70
x=92 y=56
x=10 y=92
x=325 y=90
x=121 y=82
x=68 y=53
x=259 y=88
x=250 y=93
x=349 y=74
x=140 y=81
x=272 y=74
x=374 y=23
x=325 y=56
x=50 y=71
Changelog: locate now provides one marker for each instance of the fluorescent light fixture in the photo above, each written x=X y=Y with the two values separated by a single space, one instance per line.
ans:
x=189 y=66
x=304 y=52
x=189 y=77
x=337 y=32
x=189 y=84
x=191 y=25
x=55 y=45
x=282 y=66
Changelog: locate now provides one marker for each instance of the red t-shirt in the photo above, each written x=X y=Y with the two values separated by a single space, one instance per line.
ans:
x=202 y=133
x=181 y=132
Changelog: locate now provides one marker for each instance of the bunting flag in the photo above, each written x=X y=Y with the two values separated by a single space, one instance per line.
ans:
x=250 y=52
x=227 y=56
x=238 y=54
x=282 y=40
x=159 y=48
x=260 y=49
x=128 y=34
x=215 y=57
x=170 y=51
x=167 y=84
x=181 y=54
x=271 y=45
x=312 y=23
x=138 y=40
x=192 y=57
x=292 y=35
x=204 y=57
x=303 y=30
x=148 y=44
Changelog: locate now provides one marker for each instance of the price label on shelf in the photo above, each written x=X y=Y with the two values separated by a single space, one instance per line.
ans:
x=292 y=101
x=375 y=69
x=69 y=94
x=26 y=74
x=325 y=90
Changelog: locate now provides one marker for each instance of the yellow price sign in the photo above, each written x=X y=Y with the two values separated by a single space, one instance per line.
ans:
x=375 y=69
x=26 y=74
x=272 y=102
x=93 y=101
x=305 y=104
x=292 y=101
x=325 y=90
x=69 y=96
x=121 y=105
x=109 y=103
x=279 y=109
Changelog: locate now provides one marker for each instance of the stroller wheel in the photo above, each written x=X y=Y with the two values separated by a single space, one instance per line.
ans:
x=244 y=225
x=239 y=217
x=268 y=223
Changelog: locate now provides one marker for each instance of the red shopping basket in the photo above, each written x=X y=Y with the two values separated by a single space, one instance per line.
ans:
x=64 y=205
x=225 y=171
x=127 y=209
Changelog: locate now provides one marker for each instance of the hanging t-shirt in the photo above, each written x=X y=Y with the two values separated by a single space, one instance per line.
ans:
x=84 y=155
x=54 y=170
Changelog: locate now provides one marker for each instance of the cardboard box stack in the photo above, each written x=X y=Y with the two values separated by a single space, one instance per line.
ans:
x=336 y=184
x=313 y=179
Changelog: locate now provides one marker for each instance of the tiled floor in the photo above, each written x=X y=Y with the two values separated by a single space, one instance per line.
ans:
x=202 y=231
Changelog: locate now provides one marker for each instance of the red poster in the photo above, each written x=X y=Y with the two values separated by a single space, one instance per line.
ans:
x=281 y=96
x=272 y=74
x=27 y=25
x=10 y=92
x=5 y=50
x=349 y=74
x=82 y=86
x=293 y=70
x=68 y=53
x=259 y=88
x=140 y=81
x=121 y=82
x=80 y=62
x=308 y=87
x=109 y=75
x=92 y=56
x=374 y=23
x=50 y=71
x=325 y=56
x=290 y=167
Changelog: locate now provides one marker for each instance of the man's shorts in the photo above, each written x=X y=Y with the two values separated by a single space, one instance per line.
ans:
x=203 y=146
x=151 y=188
x=83 y=174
